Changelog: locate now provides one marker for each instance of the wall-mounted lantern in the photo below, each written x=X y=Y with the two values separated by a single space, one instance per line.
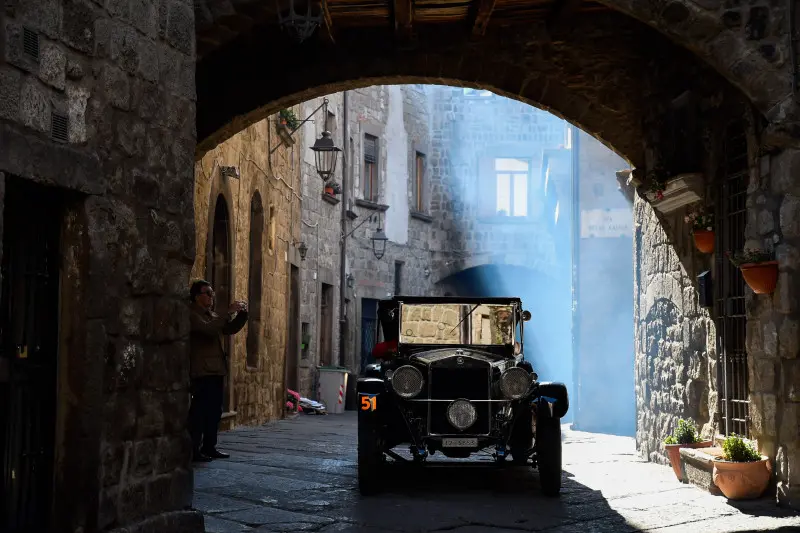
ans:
x=379 y=243
x=350 y=280
x=303 y=249
x=326 y=153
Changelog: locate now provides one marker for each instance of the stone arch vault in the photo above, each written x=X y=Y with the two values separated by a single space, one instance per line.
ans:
x=603 y=67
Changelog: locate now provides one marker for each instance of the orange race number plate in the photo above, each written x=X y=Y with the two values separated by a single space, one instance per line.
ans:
x=368 y=403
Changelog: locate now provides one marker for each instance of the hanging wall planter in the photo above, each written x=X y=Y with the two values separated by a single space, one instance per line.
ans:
x=761 y=277
x=670 y=193
x=702 y=222
x=704 y=241
x=758 y=269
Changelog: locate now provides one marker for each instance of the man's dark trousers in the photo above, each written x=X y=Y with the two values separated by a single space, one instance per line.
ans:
x=205 y=411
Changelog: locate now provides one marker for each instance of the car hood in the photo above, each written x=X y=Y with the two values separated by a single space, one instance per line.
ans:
x=428 y=357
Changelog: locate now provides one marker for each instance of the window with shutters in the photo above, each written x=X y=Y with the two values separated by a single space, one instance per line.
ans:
x=370 y=177
x=508 y=188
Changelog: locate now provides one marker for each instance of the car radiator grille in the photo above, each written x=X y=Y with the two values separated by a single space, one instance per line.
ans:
x=454 y=383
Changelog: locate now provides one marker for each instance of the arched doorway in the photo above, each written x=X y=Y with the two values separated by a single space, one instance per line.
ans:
x=221 y=276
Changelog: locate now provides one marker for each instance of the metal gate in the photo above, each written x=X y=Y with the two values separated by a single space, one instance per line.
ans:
x=730 y=312
x=28 y=352
x=369 y=334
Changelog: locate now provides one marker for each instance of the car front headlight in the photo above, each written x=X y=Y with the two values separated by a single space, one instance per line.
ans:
x=407 y=381
x=461 y=414
x=515 y=382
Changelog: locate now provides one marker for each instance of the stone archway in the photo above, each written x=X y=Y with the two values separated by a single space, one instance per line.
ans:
x=602 y=70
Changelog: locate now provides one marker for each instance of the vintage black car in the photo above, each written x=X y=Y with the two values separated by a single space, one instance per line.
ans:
x=456 y=383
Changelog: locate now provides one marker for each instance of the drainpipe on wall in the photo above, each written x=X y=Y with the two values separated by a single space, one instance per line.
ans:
x=343 y=244
x=576 y=308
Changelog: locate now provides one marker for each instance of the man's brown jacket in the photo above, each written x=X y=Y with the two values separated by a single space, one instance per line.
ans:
x=208 y=357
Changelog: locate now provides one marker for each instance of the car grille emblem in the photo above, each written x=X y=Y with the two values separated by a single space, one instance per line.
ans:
x=460 y=360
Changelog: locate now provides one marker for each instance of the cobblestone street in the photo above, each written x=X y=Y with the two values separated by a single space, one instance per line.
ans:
x=300 y=475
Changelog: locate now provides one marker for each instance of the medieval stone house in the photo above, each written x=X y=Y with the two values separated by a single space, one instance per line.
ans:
x=248 y=212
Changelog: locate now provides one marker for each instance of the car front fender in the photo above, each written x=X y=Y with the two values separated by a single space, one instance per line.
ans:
x=370 y=393
x=554 y=394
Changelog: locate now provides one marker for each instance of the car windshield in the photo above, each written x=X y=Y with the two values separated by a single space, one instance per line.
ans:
x=484 y=324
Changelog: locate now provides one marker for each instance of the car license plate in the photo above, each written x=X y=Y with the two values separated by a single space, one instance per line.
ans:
x=460 y=443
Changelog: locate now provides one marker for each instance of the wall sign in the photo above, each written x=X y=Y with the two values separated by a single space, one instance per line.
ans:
x=606 y=223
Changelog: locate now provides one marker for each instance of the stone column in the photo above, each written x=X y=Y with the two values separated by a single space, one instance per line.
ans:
x=772 y=332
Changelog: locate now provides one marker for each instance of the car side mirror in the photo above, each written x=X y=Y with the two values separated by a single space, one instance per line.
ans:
x=526 y=315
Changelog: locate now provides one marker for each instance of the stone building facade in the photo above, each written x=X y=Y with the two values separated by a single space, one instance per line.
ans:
x=248 y=212
x=97 y=136
x=388 y=132
x=706 y=346
x=320 y=230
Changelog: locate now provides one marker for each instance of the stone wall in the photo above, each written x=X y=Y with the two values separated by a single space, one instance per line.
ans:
x=256 y=391
x=107 y=111
x=674 y=343
x=772 y=320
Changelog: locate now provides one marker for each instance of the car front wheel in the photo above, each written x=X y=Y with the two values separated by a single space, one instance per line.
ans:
x=548 y=455
x=370 y=456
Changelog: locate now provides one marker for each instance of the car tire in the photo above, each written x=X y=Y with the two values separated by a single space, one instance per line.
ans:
x=548 y=455
x=370 y=456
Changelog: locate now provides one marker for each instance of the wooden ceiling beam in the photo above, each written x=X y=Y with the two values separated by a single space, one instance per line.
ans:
x=403 y=19
x=327 y=21
x=480 y=20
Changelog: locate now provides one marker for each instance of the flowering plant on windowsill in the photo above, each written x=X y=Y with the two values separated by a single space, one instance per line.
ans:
x=658 y=181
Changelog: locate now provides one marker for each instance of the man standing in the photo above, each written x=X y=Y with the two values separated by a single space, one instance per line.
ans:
x=209 y=365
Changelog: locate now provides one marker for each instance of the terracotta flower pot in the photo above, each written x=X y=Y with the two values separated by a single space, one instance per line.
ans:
x=674 y=454
x=742 y=481
x=329 y=191
x=761 y=277
x=704 y=240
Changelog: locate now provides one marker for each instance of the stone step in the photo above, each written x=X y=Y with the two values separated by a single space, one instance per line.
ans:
x=698 y=467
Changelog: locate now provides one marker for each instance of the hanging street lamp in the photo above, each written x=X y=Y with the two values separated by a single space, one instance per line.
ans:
x=303 y=249
x=325 y=155
x=379 y=243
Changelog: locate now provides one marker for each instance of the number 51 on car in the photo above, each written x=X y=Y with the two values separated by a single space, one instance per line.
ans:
x=368 y=403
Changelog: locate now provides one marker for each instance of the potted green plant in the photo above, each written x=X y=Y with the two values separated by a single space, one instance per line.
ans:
x=702 y=224
x=288 y=119
x=742 y=473
x=758 y=268
x=685 y=435
x=333 y=188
